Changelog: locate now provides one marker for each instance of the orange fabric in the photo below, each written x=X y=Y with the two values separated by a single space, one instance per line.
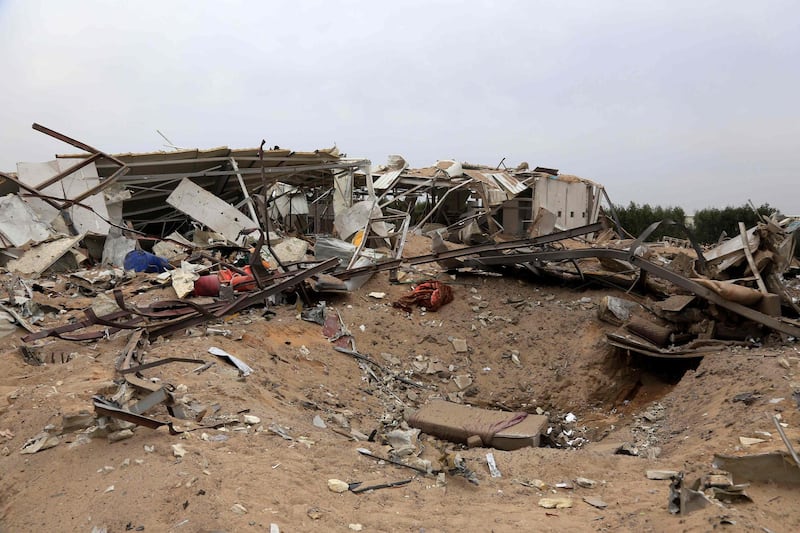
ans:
x=431 y=294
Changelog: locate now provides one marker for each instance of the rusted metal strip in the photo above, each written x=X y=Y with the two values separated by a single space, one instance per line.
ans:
x=377 y=267
x=107 y=182
x=66 y=328
x=509 y=245
x=245 y=300
x=474 y=250
x=129 y=351
x=160 y=362
x=64 y=173
x=31 y=190
x=105 y=408
x=172 y=306
x=94 y=319
x=77 y=144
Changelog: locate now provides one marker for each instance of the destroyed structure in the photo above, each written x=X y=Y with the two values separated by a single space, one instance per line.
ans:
x=233 y=229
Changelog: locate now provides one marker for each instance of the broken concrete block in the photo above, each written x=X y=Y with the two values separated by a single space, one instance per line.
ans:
x=460 y=345
x=555 y=503
x=462 y=382
x=661 y=474
x=457 y=423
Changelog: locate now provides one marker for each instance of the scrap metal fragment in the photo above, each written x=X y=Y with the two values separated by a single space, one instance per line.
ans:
x=105 y=408
x=773 y=323
x=772 y=467
x=232 y=359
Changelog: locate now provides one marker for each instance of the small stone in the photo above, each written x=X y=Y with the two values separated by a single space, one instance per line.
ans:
x=570 y=418
x=749 y=441
x=377 y=295
x=355 y=527
x=319 y=422
x=555 y=503
x=238 y=508
x=251 y=419
x=5 y=451
x=273 y=527
x=627 y=449
x=178 y=450
x=110 y=488
x=539 y=484
x=596 y=502
x=653 y=452
x=314 y=513
x=661 y=474
x=120 y=435
x=340 y=420
x=149 y=448
x=337 y=485
x=462 y=382
x=460 y=345
x=784 y=363
x=586 y=483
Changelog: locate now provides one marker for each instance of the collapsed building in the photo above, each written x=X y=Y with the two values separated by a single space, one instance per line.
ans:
x=232 y=229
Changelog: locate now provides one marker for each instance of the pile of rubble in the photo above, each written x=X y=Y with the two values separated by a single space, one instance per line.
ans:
x=222 y=232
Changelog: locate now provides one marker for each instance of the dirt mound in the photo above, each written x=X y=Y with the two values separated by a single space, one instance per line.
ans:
x=529 y=347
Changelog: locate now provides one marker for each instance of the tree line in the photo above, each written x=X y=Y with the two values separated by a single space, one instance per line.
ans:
x=707 y=225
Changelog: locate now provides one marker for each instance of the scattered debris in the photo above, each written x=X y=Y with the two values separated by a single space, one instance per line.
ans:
x=235 y=361
x=493 y=470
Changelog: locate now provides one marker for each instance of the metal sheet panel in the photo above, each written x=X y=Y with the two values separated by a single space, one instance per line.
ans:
x=387 y=180
x=210 y=210
x=509 y=183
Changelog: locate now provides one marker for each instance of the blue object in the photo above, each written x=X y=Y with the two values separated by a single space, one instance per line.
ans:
x=141 y=261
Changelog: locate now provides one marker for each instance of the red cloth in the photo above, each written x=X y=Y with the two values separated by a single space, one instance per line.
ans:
x=430 y=294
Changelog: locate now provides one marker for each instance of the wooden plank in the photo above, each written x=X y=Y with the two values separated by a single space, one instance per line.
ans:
x=750 y=261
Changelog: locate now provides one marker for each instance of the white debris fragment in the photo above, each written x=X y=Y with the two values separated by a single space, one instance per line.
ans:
x=178 y=450
x=251 y=419
x=238 y=508
x=337 y=485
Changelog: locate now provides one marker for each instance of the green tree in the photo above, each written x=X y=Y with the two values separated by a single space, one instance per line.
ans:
x=635 y=218
x=711 y=223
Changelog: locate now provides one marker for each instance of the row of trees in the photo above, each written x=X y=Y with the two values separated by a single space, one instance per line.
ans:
x=707 y=224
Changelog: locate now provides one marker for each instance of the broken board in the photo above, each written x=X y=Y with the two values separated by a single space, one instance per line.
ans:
x=210 y=210
x=42 y=256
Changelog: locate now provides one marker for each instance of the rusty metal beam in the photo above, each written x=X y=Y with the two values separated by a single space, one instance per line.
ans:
x=658 y=271
x=245 y=300
x=64 y=173
x=77 y=144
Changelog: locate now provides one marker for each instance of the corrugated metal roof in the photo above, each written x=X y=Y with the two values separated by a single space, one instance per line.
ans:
x=509 y=183
x=387 y=180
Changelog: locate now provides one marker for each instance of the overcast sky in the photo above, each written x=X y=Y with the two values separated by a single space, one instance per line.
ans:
x=674 y=103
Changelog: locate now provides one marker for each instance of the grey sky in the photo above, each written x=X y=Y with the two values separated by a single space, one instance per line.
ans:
x=682 y=103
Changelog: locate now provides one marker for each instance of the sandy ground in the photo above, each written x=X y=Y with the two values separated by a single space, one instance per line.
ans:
x=246 y=477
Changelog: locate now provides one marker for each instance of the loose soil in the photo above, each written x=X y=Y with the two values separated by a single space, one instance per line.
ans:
x=677 y=413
